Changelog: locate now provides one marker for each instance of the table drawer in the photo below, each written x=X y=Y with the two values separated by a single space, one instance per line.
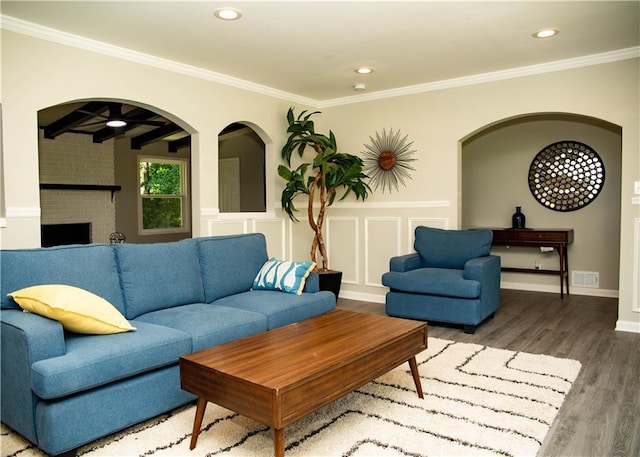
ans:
x=558 y=237
x=536 y=237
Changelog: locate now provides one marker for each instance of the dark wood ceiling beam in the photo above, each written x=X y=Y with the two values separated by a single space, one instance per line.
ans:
x=154 y=135
x=85 y=113
x=107 y=133
x=179 y=143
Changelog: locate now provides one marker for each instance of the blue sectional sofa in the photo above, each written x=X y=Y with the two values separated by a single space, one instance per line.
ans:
x=61 y=389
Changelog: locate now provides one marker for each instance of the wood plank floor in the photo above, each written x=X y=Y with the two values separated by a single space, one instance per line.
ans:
x=601 y=415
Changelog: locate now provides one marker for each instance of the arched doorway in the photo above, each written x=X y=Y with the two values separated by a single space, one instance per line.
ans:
x=494 y=178
x=90 y=172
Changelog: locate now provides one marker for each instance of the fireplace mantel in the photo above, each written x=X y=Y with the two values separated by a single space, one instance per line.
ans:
x=111 y=188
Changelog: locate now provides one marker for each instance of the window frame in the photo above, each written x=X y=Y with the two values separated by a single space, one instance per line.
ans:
x=183 y=196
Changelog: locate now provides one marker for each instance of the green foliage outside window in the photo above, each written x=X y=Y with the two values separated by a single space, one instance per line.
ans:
x=160 y=178
x=160 y=213
x=161 y=190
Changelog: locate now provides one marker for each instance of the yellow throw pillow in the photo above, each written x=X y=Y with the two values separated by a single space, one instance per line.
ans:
x=76 y=309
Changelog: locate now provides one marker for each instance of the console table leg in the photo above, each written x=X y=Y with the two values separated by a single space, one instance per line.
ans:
x=416 y=376
x=278 y=442
x=197 y=423
x=566 y=265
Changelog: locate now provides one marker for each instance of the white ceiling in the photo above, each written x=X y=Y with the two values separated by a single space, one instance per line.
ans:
x=310 y=48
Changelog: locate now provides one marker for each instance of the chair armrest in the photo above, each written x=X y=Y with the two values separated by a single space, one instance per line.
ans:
x=25 y=339
x=312 y=284
x=405 y=262
x=486 y=270
x=477 y=268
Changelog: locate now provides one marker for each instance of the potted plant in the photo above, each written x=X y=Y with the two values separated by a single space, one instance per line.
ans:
x=320 y=179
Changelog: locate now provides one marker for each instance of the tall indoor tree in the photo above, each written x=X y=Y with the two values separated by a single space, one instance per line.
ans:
x=320 y=179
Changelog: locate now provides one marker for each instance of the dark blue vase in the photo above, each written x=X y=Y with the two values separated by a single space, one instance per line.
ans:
x=518 y=219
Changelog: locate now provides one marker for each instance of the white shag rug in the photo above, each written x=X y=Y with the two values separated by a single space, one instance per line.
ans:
x=477 y=401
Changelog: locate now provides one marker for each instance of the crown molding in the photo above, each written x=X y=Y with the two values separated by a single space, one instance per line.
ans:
x=45 y=33
x=56 y=36
x=531 y=70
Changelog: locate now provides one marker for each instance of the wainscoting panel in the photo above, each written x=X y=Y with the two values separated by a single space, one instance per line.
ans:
x=343 y=247
x=382 y=241
x=227 y=227
x=274 y=232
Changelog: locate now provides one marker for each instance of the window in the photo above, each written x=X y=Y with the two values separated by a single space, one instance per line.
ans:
x=163 y=195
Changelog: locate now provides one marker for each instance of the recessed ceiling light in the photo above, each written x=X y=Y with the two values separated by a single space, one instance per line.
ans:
x=228 y=14
x=359 y=86
x=546 y=33
x=363 y=70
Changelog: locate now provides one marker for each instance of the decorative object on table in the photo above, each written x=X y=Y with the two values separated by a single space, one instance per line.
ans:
x=518 y=219
x=566 y=176
x=320 y=178
x=387 y=159
x=117 y=238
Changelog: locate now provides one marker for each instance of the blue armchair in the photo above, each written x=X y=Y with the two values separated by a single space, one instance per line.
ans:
x=451 y=278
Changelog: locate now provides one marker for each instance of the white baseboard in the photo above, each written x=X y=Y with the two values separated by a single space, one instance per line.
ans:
x=621 y=326
x=607 y=293
x=628 y=326
x=379 y=298
x=371 y=298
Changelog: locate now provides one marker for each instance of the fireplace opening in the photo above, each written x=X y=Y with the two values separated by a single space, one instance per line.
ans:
x=62 y=234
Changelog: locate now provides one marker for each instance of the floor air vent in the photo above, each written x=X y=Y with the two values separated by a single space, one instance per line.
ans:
x=585 y=279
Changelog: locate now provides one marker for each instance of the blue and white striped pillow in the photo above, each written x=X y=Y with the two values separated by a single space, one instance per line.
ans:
x=285 y=276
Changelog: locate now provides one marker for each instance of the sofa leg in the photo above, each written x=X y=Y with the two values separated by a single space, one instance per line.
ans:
x=71 y=453
x=470 y=329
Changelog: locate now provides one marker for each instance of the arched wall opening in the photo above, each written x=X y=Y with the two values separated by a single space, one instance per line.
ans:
x=241 y=170
x=84 y=152
x=495 y=161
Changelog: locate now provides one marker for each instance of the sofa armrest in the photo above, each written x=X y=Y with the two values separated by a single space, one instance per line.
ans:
x=405 y=262
x=312 y=284
x=25 y=339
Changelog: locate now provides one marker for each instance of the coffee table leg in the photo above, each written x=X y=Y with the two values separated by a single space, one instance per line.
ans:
x=278 y=441
x=197 y=423
x=416 y=376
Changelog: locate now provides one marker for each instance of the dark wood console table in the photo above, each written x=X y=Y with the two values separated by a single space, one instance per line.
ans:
x=555 y=238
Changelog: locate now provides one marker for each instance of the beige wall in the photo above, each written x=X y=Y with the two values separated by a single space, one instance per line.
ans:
x=436 y=121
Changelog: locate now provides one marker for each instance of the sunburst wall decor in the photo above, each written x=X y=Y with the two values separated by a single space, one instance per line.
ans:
x=386 y=159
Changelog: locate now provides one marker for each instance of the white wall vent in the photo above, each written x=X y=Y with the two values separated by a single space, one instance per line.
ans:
x=585 y=279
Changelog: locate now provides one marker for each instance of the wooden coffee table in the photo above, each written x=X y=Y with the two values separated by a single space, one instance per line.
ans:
x=279 y=376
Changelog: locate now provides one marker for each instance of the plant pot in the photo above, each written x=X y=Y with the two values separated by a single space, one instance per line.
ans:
x=330 y=280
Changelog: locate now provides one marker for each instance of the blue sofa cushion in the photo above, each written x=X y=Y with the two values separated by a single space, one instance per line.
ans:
x=279 y=307
x=91 y=267
x=451 y=248
x=207 y=324
x=95 y=360
x=230 y=263
x=445 y=282
x=159 y=275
